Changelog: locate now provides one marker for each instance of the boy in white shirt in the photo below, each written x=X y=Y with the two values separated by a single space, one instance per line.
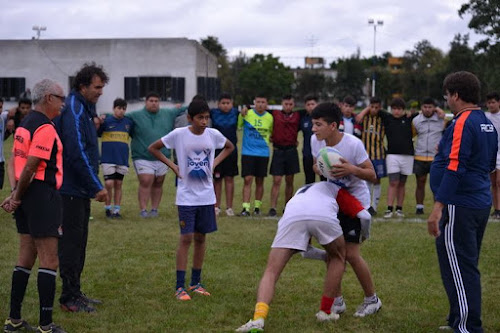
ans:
x=195 y=146
x=493 y=114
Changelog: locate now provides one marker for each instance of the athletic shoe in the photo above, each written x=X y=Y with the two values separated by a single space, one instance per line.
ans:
x=256 y=211
x=108 y=213
x=245 y=212
x=229 y=212
x=419 y=211
x=217 y=211
x=22 y=326
x=399 y=213
x=388 y=214
x=182 y=295
x=339 y=308
x=372 y=211
x=51 y=328
x=144 y=214
x=323 y=316
x=153 y=213
x=89 y=300
x=496 y=216
x=445 y=328
x=252 y=326
x=77 y=305
x=199 y=289
x=366 y=309
x=272 y=212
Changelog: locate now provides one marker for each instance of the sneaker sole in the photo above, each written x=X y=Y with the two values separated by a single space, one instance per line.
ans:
x=362 y=316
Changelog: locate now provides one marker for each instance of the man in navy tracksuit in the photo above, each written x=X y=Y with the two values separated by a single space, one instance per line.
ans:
x=460 y=181
x=78 y=134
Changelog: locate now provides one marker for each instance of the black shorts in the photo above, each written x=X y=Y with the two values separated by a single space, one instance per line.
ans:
x=285 y=162
x=114 y=176
x=351 y=227
x=254 y=166
x=228 y=167
x=421 y=168
x=40 y=212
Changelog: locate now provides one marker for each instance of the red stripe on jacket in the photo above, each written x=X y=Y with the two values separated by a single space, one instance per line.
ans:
x=457 y=141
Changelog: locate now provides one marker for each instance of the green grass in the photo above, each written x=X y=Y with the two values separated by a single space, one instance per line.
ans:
x=131 y=267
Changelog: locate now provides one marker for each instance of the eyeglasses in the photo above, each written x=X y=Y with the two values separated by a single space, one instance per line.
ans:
x=62 y=98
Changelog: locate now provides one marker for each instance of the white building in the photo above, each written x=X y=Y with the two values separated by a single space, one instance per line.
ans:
x=176 y=68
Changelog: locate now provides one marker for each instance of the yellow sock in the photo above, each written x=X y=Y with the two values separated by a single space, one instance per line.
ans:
x=257 y=204
x=261 y=310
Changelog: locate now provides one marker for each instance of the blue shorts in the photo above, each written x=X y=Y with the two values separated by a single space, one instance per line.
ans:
x=199 y=219
x=380 y=168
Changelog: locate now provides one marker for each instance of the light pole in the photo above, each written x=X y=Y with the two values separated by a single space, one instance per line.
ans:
x=38 y=29
x=375 y=24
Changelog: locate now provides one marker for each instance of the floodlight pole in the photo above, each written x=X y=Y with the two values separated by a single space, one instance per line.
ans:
x=38 y=30
x=375 y=24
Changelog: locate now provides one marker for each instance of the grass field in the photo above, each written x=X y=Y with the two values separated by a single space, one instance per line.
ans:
x=131 y=267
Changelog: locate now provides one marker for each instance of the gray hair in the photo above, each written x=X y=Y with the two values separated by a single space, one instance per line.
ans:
x=41 y=89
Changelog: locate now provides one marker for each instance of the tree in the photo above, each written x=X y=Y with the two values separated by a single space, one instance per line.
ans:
x=461 y=57
x=266 y=76
x=312 y=81
x=485 y=20
x=351 y=76
x=213 y=45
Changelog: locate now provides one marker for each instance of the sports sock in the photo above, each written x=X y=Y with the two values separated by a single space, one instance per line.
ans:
x=339 y=300
x=195 y=276
x=371 y=299
x=117 y=208
x=181 y=279
x=390 y=208
x=246 y=205
x=399 y=208
x=326 y=304
x=261 y=311
x=20 y=278
x=420 y=206
x=377 y=189
x=257 y=204
x=107 y=207
x=46 y=292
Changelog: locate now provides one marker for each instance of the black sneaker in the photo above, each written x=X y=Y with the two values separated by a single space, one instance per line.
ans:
x=51 y=328
x=117 y=215
x=77 y=305
x=372 y=211
x=272 y=212
x=89 y=300
x=419 y=211
x=256 y=211
x=22 y=326
x=108 y=213
x=244 y=212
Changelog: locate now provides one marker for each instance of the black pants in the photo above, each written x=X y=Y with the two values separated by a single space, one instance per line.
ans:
x=73 y=244
x=307 y=163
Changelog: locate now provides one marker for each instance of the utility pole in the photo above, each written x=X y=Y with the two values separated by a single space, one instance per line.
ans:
x=375 y=24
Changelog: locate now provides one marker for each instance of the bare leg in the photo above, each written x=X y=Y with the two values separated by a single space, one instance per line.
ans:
x=288 y=187
x=199 y=250
x=27 y=251
x=144 y=193
x=360 y=267
x=157 y=191
x=229 y=183
x=109 y=184
x=259 y=188
x=335 y=267
x=401 y=193
x=118 y=192
x=275 y=190
x=247 y=187
x=218 y=191
x=420 y=190
x=47 y=252
x=276 y=262
x=392 y=192
x=183 y=251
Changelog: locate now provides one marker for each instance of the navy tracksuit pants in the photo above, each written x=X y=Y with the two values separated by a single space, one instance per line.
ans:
x=458 y=248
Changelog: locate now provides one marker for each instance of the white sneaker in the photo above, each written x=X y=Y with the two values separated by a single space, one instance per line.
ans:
x=399 y=213
x=217 y=211
x=366 y=309
x=229 y=212
x=387 y=214
x=445 y=328
x=323 y=316
x=339 y=308
x=252 y=326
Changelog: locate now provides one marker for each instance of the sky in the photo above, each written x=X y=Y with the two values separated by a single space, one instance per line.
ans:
x=290 y=29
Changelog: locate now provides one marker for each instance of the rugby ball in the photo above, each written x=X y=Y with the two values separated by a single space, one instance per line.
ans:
x=327 y=157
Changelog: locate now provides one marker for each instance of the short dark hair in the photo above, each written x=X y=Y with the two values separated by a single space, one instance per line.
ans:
x=198 y=97
x=310 y=98
x=197 y=107
x=493 y=95
x=260 y=96
x=428 y=100
x=330 y=112
x=152 y=94
x=24 y=100
x=86 y=74
x=375 y=100
x=225 y=95
x=465 y=84
x=349 y=100
x=287 y=97
x=398 y=103
x=120 y=102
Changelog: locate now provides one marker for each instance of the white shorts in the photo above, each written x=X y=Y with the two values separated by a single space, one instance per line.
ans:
x=402 y=164
x=110 y=169
x=295 y=235
x=156 y=168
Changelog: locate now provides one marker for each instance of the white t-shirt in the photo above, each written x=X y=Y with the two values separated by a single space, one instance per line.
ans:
x=315 y=201
x=354 y=152
x=348 y=126
x=195 y=156
x=495 y=120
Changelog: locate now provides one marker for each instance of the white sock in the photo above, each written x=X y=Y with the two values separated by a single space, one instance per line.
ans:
x=314 y=253
x=371 y=299
x=376 y=195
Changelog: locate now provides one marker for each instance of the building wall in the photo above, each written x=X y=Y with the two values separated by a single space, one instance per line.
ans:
x=60 y=59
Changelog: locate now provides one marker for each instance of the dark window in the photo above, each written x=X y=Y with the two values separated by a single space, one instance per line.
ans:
x=209 y=87
x=169 y=88
x=12 y=87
